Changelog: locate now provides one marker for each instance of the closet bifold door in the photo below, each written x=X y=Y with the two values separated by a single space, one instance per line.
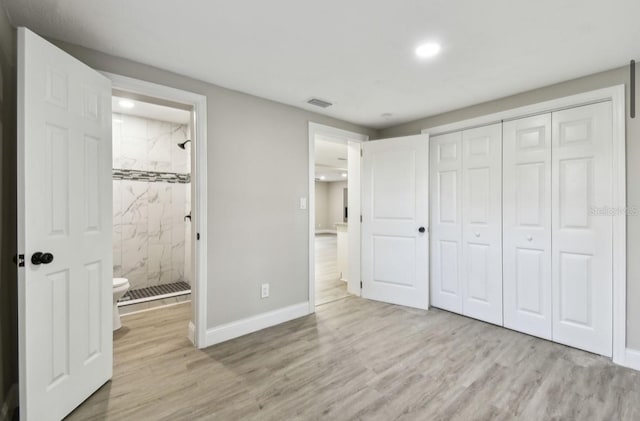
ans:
x=526 y=210
x=446 y=223
x=582 y=227
x=482 y=223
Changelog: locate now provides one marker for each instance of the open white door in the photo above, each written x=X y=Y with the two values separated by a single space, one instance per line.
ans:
x=395 y=214
x=64 y=229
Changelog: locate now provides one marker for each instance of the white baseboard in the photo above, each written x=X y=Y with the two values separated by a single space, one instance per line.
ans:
x=252 y=324
x=631 y=359
x=10 y=403
x=326 y=232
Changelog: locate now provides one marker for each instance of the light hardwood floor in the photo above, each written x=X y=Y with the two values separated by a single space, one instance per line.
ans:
x=357 y=359
x=329 y=287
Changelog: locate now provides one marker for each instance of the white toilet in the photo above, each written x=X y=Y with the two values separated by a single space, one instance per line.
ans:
x=120 y=287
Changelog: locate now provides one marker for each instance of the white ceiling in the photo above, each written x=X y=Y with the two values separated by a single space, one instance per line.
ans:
x=358 y=54
x=331 y=159
x=149 y=110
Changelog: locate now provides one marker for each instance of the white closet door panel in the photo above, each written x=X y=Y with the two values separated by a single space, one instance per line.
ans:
x=446 y=223
x=482 y=223
x=582 y=234
x=527 y=225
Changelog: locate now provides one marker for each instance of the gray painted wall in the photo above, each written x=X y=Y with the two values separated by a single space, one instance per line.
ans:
x=584 y=84
x=256 y=234
x=336 y=202
x=329 y=204
x=8 y=274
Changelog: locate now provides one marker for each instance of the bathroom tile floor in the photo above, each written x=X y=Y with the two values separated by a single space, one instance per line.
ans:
x=150 y=297
x=156 y=290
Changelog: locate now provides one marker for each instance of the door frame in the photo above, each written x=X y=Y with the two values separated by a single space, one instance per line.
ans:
x=198 y=324
x=616 y=95
x=353 y=230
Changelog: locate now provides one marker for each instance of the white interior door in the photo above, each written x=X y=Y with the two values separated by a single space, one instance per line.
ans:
x=582 y=227
x=527 y=225
x=446 y=221
x=482 y=223
x=64 y=211
x=395 y=242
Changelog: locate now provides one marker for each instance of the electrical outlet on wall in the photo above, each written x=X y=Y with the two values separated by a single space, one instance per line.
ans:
x=264 y=290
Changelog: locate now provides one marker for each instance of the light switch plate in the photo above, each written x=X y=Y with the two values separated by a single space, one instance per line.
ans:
x=303 y=203
x=264 y=290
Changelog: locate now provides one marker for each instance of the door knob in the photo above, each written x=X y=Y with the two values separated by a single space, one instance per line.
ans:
x=38 y=258
x=529 y=238
x=477 y=234
x=421 y=229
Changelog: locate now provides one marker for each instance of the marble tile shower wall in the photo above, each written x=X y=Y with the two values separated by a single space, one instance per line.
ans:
x=150 y=235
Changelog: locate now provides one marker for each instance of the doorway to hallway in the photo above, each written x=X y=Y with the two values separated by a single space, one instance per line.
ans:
x=329 y=284
x=334 y=214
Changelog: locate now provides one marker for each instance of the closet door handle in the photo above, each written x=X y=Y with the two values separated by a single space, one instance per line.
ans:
x=529 y=238
x=421 y=229
x=477 y=234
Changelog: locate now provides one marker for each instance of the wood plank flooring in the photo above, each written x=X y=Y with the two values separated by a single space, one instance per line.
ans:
x=329 y=287
x=357 y=360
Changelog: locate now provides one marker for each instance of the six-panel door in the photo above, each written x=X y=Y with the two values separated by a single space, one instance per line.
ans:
x=482 y=223
x=555 y=234
x=527 y=225
x=582 y=227
x=64 y=208
x=446 y=221
x=466 y=249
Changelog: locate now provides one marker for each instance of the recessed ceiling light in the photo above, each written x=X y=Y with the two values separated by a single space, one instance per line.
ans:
x=125 y=103
x=428 y=49
x=322 y=177
x=344 y=174
x=117 y=120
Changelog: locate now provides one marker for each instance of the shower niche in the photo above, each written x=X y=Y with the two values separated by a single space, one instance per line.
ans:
x=151 y=203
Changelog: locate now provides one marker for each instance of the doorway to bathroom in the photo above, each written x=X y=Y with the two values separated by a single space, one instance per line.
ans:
x=151 y=202
x=159 y=201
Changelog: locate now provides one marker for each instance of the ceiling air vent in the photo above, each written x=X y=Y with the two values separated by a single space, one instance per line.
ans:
x=319 y=103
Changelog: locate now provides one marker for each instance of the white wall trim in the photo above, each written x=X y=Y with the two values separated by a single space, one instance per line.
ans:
x=615 y=94
x=572 y=101
x=199 y=188
x=631 y=359
x=353 y=141
x=10 y=403
x=255 y=323
x=619 y=224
